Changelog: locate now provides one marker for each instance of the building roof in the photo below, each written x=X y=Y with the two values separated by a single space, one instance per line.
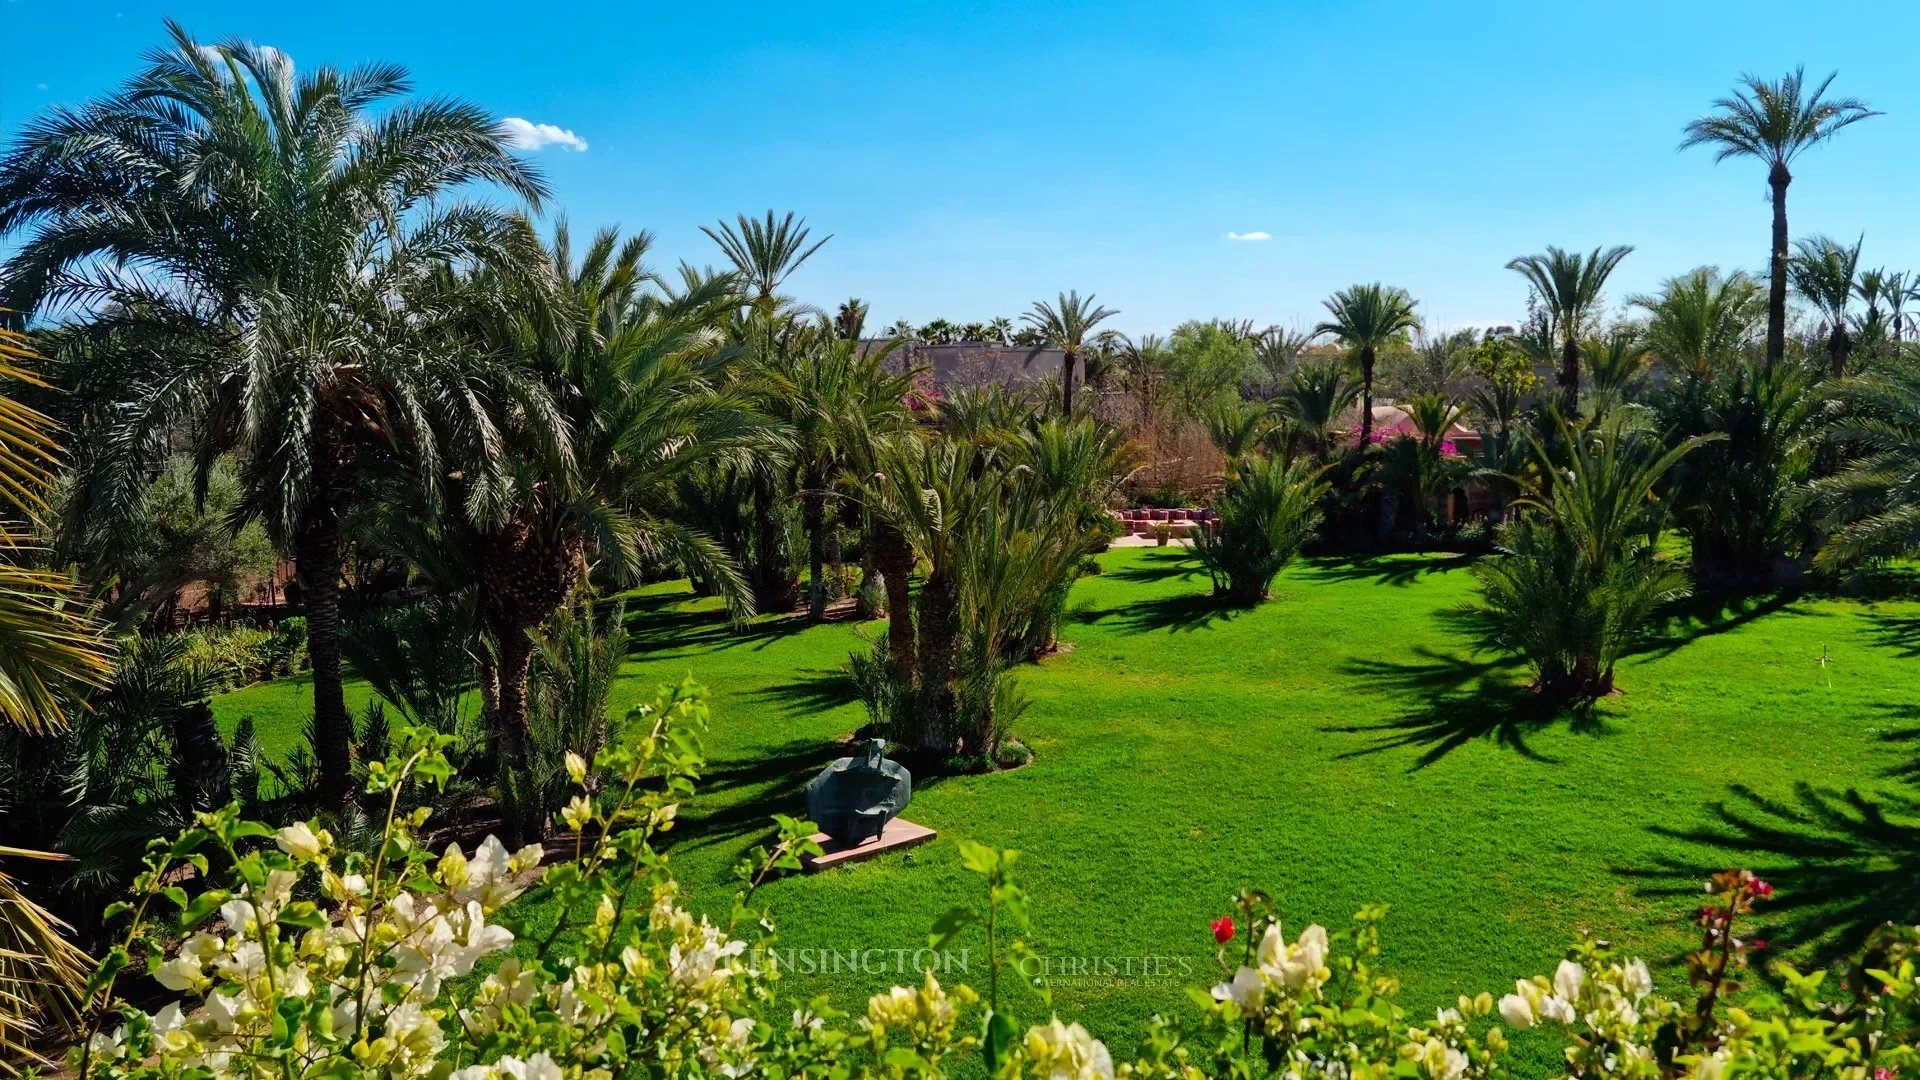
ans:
x=969 y=364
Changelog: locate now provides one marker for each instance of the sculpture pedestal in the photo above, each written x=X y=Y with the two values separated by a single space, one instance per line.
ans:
x=898 y=835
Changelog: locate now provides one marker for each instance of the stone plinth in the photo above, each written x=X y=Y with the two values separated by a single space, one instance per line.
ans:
x=899 y=835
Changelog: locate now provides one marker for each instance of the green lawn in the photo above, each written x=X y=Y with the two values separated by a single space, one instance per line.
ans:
x=1340 y=744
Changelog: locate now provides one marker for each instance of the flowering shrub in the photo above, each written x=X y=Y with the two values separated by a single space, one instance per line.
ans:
x=315 y=960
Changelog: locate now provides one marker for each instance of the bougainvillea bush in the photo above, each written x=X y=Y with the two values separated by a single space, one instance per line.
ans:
x=316 y=960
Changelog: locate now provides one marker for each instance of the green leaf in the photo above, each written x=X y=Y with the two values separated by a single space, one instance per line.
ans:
x=954 y=920
x=996 y=1039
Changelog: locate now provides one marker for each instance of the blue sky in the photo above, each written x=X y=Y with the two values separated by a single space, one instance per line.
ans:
x=970 y=158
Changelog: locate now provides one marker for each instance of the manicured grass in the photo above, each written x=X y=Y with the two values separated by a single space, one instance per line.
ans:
x=1338 y=745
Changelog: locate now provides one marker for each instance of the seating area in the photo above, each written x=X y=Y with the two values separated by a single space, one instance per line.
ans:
x=1181 y=521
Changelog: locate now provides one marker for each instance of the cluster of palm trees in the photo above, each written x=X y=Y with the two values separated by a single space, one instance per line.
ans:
x=308 y=282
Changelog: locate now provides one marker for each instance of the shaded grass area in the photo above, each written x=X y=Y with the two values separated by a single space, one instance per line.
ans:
x=1340 y=744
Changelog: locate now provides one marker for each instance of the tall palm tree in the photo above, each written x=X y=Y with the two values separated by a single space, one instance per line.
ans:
x=1069 y=328
x=1568 y=284
x=1774 y=122
x=1616 y=363
x=1364 y=318
x=279 y=222
x=1824 y=271
x=1702 y=321
x=765 y=251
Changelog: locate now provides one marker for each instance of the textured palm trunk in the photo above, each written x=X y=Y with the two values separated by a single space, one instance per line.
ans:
x=1066 y=383
x=1570 y=378
x=487 y=673
x=522 y=820
x=1366 y=396
x=893 y=558
x=1778 y=179
x=316 y=558
x=1838 y=346
x=773 y=587
x=528 y=571
x=939 y=662
x=813 y=513
x=201 y=758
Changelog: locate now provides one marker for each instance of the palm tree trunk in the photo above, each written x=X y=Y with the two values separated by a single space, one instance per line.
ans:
x=1838 y=346
x=1066 y=383
x=814 y=518
x=939 y=662
x=201 y=758
x=1778 y=180
x=1366 y=396
x=1570 y=378
x=316 y=561
x=516 y=659
x=488 y=676
x=893 y=558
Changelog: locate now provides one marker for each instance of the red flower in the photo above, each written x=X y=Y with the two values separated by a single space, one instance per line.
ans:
x=1758 y=944
x=1882 y=1074
x=1761 y=889
x=1223 y=929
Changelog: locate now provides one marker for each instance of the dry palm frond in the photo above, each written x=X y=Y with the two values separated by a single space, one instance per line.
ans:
x=47 y=641
x=42 y=975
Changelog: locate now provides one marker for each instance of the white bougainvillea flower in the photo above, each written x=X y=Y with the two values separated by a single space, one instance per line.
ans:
x=1068 y=1052
x=1246 y=990
x=1517 y=1011
x=300 y=841
x=1568 y=978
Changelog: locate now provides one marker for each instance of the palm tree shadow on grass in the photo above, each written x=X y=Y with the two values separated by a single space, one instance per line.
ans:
x=659 y=629
x=1898 y=632
x=1160 y=564
x=1841 y=862
x=1464 y=700
x=1704 y=615
x=1397 y=571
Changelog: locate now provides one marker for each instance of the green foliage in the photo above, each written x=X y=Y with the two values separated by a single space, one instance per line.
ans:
x=1580 y=570
x=1703 y=322
x=233 y=656
x=1871 y=503
x=1737 y=496
x=1268 y=511
x=615 y=984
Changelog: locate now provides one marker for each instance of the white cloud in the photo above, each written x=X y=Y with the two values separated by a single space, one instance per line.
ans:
x=1254 y=235
x=527 y=135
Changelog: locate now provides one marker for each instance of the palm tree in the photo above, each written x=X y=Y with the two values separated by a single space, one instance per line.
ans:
x=1313 y=399
x=765 y=252
x=839 y=406
x=1702 y=321
x=1069 y=328
x=633 y=374
x=851 y=318
x=1568 y=284
x=1001 y=329
x=1615 y=364
x=1366 y=317
x=1824 y=272
x=1278 y=352
x=280 y=223
x=49 y=648
x=1871 y=505
x=1774 y=122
